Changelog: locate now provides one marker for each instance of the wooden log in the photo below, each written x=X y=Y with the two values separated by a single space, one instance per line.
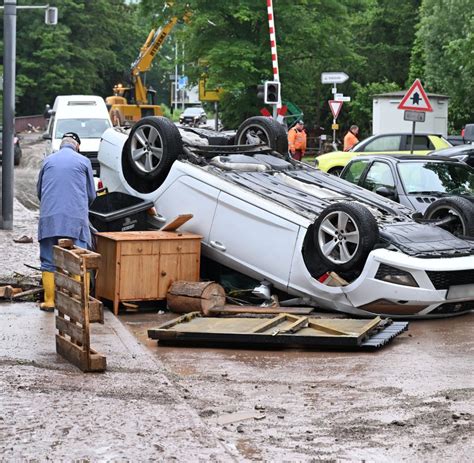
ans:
x=187 y=296
x=22 y=294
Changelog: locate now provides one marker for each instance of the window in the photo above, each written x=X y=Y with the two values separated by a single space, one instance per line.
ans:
x=379 y=174
x=388 y=143
x=355 y=170
x=421 y=143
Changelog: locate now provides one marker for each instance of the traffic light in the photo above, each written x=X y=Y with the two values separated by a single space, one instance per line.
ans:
x=272 y=92
x=261 y=91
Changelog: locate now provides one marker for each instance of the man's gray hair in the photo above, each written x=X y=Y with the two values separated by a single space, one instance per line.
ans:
x=69 y=141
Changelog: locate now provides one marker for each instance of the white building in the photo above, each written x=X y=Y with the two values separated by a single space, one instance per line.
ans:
x=386 y=118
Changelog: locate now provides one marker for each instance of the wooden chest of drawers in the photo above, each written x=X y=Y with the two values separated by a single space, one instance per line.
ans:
x=140 y=266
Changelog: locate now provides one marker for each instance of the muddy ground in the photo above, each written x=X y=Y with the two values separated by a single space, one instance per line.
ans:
x=410 y=401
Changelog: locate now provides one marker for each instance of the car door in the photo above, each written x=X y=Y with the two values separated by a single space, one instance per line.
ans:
x=355 y=170
x=252 y=240
x=421 y=144
x=380 y=178
x=383 y=143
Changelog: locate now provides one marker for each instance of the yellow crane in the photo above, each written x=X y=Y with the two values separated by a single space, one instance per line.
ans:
x=130 y=103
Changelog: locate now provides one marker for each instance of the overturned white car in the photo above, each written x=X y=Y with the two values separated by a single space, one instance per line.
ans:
x=269 y=217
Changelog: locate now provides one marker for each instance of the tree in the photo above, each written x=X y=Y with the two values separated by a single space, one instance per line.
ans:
x=87 y=52
x=443 y=54
x=230 y=41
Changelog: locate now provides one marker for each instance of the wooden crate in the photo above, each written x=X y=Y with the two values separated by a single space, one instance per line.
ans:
x=141 y=265
x=76 y=309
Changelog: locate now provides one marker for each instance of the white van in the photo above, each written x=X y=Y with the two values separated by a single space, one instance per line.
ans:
x=86 y=115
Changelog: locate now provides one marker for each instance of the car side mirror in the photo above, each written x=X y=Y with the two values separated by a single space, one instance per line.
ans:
x=386 y=192
x=46 y=136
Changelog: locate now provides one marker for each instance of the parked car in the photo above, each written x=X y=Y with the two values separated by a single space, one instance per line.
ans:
x=16 y=148
x=467 y=136
x=464 y=153
x=269 y=217
x=439 y=189
x=379 y=144
x=86 y=115
x=193 y=116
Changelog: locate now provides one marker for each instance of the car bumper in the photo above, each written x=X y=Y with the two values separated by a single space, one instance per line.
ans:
x=437 y=293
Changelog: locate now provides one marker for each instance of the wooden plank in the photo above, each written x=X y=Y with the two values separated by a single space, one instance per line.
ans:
x=97 y=363
x=243 y=309
x=267 y=324
x=69 y=306
x=96 y=311
x=71 y=329
x=177 y=222
x=91 y=260
x=321 y=326
x=67 y=283
x=300 y=322
x=147 y=235
x=78 y=357
x=72 y=353
x=66 y=243
x=67 y=260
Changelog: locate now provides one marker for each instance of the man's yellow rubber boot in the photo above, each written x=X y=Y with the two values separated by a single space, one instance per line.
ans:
x=48 y=286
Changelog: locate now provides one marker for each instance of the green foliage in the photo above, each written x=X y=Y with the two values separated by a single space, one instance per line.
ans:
x=445 y=43
x=361 y=105
x=87 y=52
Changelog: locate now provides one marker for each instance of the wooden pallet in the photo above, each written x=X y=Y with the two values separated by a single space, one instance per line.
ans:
x=76 y=309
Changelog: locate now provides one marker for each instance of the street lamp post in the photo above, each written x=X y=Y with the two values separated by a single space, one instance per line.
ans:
x=9 y=62
x=9 y=53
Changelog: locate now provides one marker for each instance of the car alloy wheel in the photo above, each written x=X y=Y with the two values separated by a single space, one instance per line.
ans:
x=146 y=148
x=339 y=237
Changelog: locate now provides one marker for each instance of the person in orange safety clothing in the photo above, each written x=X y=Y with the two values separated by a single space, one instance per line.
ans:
x=297 y=141
x=351 y=138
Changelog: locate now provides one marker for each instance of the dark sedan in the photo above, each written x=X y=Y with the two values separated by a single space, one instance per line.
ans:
x=440 y=189
x=463 y=153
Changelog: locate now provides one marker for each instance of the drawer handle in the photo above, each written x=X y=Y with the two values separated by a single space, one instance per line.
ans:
x=163 y=273
x=140 y=249
x=179 y=248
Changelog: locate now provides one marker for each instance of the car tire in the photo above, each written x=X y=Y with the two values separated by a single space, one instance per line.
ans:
x=344 y=235
x=260 y=130
x=457 y=214
x=153 y=144
x=336 y=171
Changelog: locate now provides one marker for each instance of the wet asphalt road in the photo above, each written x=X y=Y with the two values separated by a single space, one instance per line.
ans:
x=411 y=401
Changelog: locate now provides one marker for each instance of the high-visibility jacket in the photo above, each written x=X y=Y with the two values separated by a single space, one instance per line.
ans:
x=297 y=140
x=350 y=140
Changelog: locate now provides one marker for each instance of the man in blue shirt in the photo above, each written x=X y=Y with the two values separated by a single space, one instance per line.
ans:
x=65 y=190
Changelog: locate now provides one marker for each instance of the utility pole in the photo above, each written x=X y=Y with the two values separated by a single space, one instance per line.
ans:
x=9 y=64
x=175 y=75
x=9 y=54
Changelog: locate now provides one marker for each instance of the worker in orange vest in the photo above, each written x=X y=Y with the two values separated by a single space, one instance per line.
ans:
x=297 y=140
x=351 y=139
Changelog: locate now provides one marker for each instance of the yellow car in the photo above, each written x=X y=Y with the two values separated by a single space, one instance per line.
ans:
x=394 y=143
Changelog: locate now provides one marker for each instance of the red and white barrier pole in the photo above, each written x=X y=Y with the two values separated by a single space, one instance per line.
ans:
x=273 y=46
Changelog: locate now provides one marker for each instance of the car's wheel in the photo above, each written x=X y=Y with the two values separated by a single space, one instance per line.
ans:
x=263 y=131
x=455 y=214
x=153 y=145
x=335 y=171
x=344 y=234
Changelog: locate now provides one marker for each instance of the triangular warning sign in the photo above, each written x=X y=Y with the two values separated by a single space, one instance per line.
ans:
x=415 y=99
x=335 y=107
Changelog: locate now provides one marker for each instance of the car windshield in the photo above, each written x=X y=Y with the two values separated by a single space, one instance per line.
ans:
x=436 y=177
x=85 y=128
x=192 y=112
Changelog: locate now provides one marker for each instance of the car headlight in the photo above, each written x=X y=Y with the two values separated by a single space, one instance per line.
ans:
x=395 y=276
